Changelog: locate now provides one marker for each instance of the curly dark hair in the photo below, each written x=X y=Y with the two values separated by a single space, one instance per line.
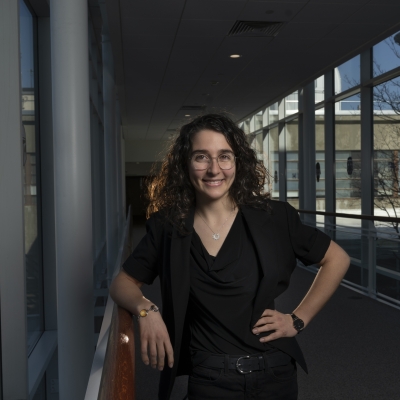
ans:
x=170 y=189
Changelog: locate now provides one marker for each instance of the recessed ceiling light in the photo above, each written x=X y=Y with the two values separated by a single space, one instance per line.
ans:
x=187 y=115
x=235 y=56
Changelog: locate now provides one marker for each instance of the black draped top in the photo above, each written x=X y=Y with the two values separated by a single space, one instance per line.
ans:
x=222 y=293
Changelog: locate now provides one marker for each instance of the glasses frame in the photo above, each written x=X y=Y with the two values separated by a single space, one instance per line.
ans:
x=210 y=161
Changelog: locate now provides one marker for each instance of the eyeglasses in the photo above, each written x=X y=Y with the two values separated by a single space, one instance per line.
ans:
x=201 y=161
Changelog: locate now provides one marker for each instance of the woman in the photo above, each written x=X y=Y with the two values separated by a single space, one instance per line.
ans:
x=223 y=252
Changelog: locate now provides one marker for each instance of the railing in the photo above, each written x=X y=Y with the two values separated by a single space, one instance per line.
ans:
x=373 y=244
x=112 y=376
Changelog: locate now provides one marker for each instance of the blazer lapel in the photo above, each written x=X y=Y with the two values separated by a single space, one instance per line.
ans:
x=261 y=227
x=180 y=275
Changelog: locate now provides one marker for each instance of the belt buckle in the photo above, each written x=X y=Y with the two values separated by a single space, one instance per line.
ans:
x=238 y=366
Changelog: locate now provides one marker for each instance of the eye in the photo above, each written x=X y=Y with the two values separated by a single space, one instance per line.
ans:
x=200 y=157
x=226 y=157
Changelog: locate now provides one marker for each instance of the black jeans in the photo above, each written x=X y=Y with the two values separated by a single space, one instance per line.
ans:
x=272 y=384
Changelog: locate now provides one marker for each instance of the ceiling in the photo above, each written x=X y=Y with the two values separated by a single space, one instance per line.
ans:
x=175 y=54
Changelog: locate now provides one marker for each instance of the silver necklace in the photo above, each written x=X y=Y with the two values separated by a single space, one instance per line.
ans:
x=215 y=235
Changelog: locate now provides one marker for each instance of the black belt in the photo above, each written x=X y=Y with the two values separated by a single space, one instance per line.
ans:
x=247 y=364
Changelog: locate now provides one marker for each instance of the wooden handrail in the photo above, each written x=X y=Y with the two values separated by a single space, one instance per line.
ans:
x=118 y=378
x=352 y=216
x=118 y=375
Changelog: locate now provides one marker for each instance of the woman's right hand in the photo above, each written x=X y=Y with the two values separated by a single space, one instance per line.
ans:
x=155 y=344
x=154 y=338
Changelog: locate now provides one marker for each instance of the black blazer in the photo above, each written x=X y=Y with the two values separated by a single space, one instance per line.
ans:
x=279 y=238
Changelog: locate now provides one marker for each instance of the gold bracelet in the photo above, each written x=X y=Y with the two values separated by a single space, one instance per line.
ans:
x=143 y=313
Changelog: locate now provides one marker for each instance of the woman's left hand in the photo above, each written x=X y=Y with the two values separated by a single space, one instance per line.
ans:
x=281 y=325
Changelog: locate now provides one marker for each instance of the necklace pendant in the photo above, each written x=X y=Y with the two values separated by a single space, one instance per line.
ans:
x=216 y=236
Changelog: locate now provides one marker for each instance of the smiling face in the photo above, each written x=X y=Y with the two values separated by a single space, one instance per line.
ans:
x=212 y=183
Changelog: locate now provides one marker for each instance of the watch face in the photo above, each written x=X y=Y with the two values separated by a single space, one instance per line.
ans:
x=298 y=324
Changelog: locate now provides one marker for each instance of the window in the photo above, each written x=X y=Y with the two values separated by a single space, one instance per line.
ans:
x=32 y=217
x=347 y=75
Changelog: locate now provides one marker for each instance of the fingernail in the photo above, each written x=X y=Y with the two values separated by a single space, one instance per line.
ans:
x=160 y=368
x=171 y=365
x=262 y=340
x=146 y=362
x=255 y=331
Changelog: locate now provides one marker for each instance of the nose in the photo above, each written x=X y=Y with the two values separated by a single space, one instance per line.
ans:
x=213 y=167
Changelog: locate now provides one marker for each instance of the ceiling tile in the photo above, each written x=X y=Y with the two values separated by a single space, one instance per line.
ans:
x=366 y=31
x=281 y=11
x=212 y=10
x=301 y=30
x=147 y=42
x=326 y=13
x=205 y=28
x=149 y=27
x=376 y=14
x=171 y=9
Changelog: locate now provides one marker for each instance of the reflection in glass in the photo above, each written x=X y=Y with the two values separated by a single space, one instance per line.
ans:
x=386 y=151
x=320 y=159
x=265 y=157
x=386 y=184
x=246 y=126
x=319 y=89
x=273 y=162
x=265 y=117
x=347 y=75
x=292 y=103
x=386 y=54
x=258 y=121
x=33 y=245
x=273 y=113
x=292 y=162
x=348 y=161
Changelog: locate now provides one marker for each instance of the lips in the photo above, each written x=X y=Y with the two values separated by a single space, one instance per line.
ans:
x=214 y=182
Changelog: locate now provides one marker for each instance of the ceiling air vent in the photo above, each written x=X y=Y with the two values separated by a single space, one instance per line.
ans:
x=255 y=28
x=193 y=108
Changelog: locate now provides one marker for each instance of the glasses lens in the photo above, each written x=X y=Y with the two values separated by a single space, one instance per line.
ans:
x=226 y=161
x=202 y=161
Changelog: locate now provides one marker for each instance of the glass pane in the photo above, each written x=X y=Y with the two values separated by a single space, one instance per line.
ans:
x=273 y=162
x=320 y=160
x=347 y=75
x=267 y=187
x=351 y=243
x=386 y=54
x=386 y=152
x=273 y=113
x=292 y=162
x=41 y=390
x=348 y=161
x=246 y=126
x=292 y=104
x=257 y=144
x=319 y=89
x=33 y=245
x=387 y=258
x=258 y=121
x=265 y=117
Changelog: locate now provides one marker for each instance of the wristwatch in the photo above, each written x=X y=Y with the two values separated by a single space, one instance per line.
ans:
x=143 y=313
x=298 y=323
